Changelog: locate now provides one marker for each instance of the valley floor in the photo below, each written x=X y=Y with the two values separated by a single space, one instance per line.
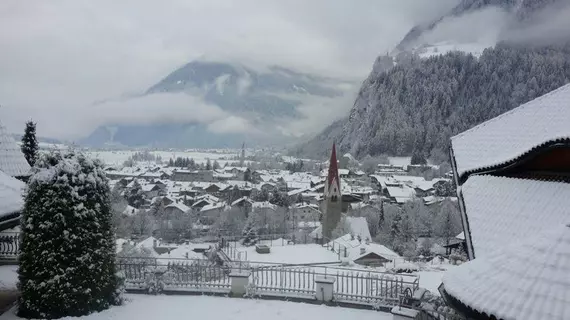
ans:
x=142 y=307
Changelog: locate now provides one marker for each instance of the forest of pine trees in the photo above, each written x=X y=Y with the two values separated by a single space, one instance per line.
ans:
x=418 y=106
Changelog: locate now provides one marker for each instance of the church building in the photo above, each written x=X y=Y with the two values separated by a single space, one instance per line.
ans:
x=332 y=197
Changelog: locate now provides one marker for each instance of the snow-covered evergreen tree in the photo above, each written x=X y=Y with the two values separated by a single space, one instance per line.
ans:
x=249 y=234
x=134 y=195
x=67 y=259
x=30 y=143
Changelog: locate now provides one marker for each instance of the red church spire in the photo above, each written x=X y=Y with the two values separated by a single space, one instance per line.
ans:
x=332 y=177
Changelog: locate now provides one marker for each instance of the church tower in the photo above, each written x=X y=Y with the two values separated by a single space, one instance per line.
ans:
x=332 y=197
x=242 y=155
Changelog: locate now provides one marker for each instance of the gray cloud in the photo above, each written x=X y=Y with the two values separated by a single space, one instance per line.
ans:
x=58 y=57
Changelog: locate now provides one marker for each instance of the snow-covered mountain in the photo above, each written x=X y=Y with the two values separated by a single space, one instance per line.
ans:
x=266 y=97
x=509 y=13
x=421 y=94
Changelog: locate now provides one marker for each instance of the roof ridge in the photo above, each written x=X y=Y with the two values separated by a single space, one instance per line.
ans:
x=486 y=175
x=522 y=106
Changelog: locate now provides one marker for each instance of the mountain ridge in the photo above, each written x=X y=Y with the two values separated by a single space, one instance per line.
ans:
x=265 y=97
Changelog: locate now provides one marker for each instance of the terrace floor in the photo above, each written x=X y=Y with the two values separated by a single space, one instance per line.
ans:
x=142 y=307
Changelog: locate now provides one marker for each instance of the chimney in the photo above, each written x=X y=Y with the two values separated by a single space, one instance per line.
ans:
x=362 y=250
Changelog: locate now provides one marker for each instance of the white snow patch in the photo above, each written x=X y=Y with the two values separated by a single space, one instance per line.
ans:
x=143 y=307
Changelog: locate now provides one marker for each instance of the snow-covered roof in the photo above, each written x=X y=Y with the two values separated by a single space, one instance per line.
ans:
x=296 y=191
x=214 y=206
x=208 y=197
x=401 y=192
x=185 y=251
x=180 y=206
x=12 y=161
x=148 y=187
x=525 y=280
x=343 y=172
x=264 y=204
x=354 y=246
x=359 y=226
x=502 y=210
x=11 y=192
x=245 y=198
x=514 y=133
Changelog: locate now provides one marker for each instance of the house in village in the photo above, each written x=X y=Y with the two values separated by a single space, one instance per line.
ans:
x=151 y=190
x=513 y=178
x=304 y=212
x=238 y=173
x=204 y=200
x=245 y=204
x=176 y=208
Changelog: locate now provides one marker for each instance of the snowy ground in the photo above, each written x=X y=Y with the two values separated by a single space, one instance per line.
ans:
x=142 y=307
x=8 y=277
x=118 y=157
x=292 y=254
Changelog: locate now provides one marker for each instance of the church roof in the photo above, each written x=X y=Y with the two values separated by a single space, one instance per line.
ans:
x=515 y=133
x=504 y=210
x=12 y=161
x=332 y=176
x=525 y=280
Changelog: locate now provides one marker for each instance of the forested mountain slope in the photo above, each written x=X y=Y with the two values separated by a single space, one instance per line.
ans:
x=419 y=106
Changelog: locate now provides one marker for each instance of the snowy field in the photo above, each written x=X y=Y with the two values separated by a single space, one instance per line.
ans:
x=142 y=307
x=400 y=161
x=118 y=157
x=292 y=254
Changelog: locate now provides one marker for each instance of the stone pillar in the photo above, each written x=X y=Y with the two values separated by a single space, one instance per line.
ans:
x=239 y=282
x=325 y=288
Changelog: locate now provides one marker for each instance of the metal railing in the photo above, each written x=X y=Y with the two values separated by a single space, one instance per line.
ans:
x=350 y=285
x=9 y=244
x=155 y=275
x=284 y=281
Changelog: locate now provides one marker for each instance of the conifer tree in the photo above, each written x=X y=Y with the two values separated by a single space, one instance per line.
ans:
x=67 y=259
x=30 y=143
x=249 y=233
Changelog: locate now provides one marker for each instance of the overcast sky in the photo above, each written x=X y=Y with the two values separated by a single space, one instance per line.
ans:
x=57 y=57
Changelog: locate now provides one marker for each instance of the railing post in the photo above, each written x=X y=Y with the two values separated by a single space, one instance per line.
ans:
x=324 y=289
x=239 y=282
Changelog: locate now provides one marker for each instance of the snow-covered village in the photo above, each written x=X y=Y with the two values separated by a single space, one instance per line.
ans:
x=298 y=161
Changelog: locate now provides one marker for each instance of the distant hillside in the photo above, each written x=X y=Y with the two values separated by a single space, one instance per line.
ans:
x=264 y=96
x=274 y=91
x=419 y=106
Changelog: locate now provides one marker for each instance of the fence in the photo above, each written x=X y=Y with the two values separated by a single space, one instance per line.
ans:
x=350 y=285
x=9 y=244
x=155 y=275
